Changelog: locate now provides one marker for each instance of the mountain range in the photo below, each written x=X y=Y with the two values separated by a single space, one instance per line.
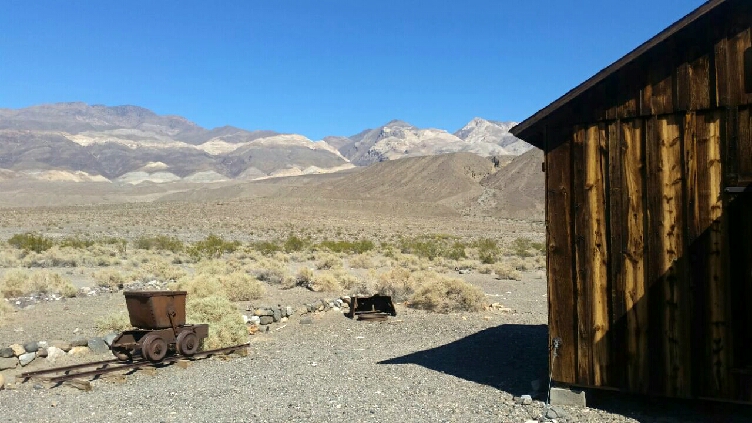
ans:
x=132 y=145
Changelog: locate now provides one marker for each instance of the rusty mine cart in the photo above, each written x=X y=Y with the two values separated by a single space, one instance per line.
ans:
x=159 y=319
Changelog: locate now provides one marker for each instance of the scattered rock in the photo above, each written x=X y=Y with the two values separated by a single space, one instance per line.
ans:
x=255 y=320
x=42 y=353
x=8 y=363
x=31 y=346
x=283 y=320
x=289 y=311
x=110 y=338
x=27 y=358
x=276 y=314
x=42 y=345
x=555 y=413
x=98 y=346
x=263 y=312
x=80 y=342
x=6 y=353
x=63 y=345
x=18 y=349
x=266 y=320
x=53 y=353
x=245 y=319
x=78 y=351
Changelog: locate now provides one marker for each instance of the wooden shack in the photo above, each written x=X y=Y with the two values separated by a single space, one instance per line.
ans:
x=649 y=214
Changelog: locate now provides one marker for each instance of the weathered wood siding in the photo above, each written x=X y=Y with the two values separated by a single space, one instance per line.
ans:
x=649 y=256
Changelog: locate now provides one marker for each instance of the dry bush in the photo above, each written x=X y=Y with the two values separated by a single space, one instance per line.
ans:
x=271 y=272
x=240 y=286
x=115 y=322
x=110 y=278
x=506 y=271
x=18 y=283
x=304 y=277
x=325 y=281
x=361 y=261
x=161 y=270
x=345 y=279
x=226 y=325
x=10 y=258
x=442 y=294
x=396 y=283
x=328 y=261
x=5 y=310
x=213 y=267
x=236 y=286
x=486 y=269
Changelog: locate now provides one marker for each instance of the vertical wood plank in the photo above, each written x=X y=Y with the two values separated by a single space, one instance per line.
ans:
x=737 y=44
x=597 y=244
x=699 y=82
x=670 y=265
x=561 y=301
x=633 y=257
x=617 y=212
x=744 y=146
x=584 y=286
x=720 y=54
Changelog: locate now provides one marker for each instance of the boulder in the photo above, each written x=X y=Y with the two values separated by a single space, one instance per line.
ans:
x=276 y=314
x=54 y=353
x=27 y=358
x=266 y=320
x=63 y=345
x=8 y=363
x=6 y=353
x=31 y=346
x=18 y=349
x=78 y=351
x=254 y=320
x=80 y=342
x=98 y=346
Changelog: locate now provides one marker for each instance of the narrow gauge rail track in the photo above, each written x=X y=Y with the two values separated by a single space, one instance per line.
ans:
x=61 y=374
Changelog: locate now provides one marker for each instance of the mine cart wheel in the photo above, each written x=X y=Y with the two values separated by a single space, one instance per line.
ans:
x=153 y=348
x=187 y=343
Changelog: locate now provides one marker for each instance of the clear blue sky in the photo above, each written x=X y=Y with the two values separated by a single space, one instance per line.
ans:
x=318 y=67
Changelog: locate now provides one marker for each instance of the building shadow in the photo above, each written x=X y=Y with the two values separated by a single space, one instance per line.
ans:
x=507 y=357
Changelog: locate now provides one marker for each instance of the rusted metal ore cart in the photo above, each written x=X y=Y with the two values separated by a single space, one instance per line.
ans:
x=159 y=319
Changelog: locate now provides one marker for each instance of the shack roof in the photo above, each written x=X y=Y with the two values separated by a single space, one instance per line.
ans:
x=521 y=129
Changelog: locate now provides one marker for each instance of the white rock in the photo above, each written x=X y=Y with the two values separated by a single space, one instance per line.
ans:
x=53 y=353
x=245 y=319
x=27 y=358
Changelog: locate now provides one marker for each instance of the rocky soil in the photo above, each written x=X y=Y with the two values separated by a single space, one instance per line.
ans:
x=417 y=367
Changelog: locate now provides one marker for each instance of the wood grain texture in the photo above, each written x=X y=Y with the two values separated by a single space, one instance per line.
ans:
x=633 y=257
x=561 y=301
x=617 y=214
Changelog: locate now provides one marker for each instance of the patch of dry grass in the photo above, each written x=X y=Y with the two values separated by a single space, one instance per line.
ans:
x=398 y=283
x=110 y=278
x=5 y=310
x=361 y=261
x=507 y=271
x=18 y=283
x=115 y=322
x=328 y=261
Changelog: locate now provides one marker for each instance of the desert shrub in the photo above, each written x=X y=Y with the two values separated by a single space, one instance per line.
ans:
x=18 y=283
x=115 y=322
x=199 y=286
x=293 y=244
x=226 y=325
x=361 y=261
x=5 y=310
x=456 y=251
x=433 y=246
x=538 y=246
x=486 y=269
x=271 y=272
x=521 y=247
x=14 y=284
x=266 y=248
x=160 y=243
x=328 y=261
x=110 y=278
x=488 y=251
x=76 y=242
x=397 y=283
x=325 y=282
x=444 y=295
x=304 y=277
x=212 y=246
x=240 y=286
x=351 y=247
x=346 y=280
x=30 y=242
x=506 y=271
x=161 y=270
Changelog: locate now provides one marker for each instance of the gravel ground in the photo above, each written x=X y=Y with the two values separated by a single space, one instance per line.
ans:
x=419 y=367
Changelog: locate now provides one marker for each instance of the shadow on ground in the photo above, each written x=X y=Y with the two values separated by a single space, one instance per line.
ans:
x=507 y=357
